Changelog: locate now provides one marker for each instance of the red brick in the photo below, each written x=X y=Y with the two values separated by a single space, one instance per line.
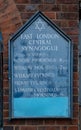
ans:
x=6 y=91
x=28 y=128
x=6 y=98
x=71 y=31
x=8 y=128
x=74 y=121
x=51 y=15
x=64 y=128
x=73 y=23
x=5 y=84
x=75 y=76
x=5 y=114
x=70 y=7
x=34 y=122
x=22 y=1
x=5 y=75
x=73 y=128
x=50 y=122
x=75 y=99
x=49 y=128
x=36 y=1
x=6 y=106
x=28 y=7
x=26 y=15
x=76 y=107
x=64 y=23
x=14 y=122
x=49 y=1
x=75 y=91
x=75 y=61
x=63 y=122
x=68 y=16
x=16 y=128
x=75 y=114
x=51 y=7
x=5 y=67
x=67 y=1
x=74 y=37
x=57 y=22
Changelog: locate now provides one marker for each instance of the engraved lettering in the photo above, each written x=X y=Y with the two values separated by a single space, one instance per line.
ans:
x=26 y=36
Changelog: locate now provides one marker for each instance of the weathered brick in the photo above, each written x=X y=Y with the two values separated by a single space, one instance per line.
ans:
x=63 y=122
x=67 y=1
x=5 y=84
x=57 y=22
x=68 y=16
x=75 y=68
x=50 y=122
x=64 y=23
x=6 y=91
x=3 y=5
x=21 y=7
x=75 y=91
x=51 y=7
x=75 y=113
x=75 y=61
x=28 y=7
x=22 y=1
x=70 y=7
x=51 y=15
x=49 y=1
x=6 y=106
x=74 y=37
x=16 y=128
x=36 y=1
x=73 y=23
x=5 y=67
x=28 y=128
x=5 y=113
x=64 y=128
x=75 y=75
x=74 y=121
x=26 y=15
x=75 y=99
x=49 y=128
x=73 y=128
x=32 y=7
x=8 y=128
x=71 y=31
x=76 y=107
x=6 y=98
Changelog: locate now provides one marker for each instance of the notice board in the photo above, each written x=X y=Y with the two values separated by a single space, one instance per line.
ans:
x=40 y=71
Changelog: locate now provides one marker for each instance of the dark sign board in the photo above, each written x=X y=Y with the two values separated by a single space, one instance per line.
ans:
x=40 y=71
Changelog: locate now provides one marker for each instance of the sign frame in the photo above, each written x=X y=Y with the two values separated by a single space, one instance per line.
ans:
x=17 y=34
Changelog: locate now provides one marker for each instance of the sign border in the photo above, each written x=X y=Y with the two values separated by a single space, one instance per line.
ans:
x=18 y=33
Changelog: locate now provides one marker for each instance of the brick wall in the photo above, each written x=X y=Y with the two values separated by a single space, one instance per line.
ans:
x=13 y=14
x=1 y=91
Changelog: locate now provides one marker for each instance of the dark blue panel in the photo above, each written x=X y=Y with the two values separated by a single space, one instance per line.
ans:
x=40 y=71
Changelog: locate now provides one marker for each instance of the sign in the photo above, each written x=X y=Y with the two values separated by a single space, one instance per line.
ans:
x=40 y=70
